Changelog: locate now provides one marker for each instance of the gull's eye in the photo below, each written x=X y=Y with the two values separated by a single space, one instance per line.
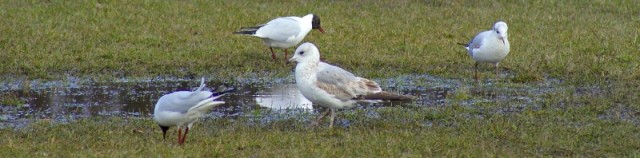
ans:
x=497 y=31
x=302 y=52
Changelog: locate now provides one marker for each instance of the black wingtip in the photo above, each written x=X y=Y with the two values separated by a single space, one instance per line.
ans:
x=245 y=32
x=251 y=28
x=222 y=90
x=248 y=30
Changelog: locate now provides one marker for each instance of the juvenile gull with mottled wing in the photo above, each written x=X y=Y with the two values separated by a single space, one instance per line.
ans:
x=333 y=87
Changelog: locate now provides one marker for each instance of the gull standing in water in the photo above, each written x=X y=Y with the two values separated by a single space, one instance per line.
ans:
x=332 y=87
x=283 y=32
x=489 y=46
x=183 y=108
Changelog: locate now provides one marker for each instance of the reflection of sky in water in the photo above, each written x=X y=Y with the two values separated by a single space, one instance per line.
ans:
x=283 y=96
x=59 y=100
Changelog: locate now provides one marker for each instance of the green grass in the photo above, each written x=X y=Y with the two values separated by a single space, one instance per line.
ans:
x=574 y=40
x=580 y=43
x=407 y=132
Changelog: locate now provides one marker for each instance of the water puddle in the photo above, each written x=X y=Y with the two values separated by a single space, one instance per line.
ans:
x=67 y=100
x=283 y=97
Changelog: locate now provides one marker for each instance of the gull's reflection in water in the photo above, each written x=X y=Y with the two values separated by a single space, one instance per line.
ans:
x=282 y=97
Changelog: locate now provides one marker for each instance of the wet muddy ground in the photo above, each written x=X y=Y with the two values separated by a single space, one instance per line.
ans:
x=63 y=101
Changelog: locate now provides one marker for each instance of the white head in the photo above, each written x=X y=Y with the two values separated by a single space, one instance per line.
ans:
x=306 y=52
x=501 y=29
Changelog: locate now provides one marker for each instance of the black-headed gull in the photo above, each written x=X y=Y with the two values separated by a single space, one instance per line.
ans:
x=182 y=109
x=283 y=32
x=489 y=46
x=333 y=87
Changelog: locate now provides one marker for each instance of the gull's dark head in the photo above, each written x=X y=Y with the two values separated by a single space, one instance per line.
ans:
x=164 y=131
x=315 y=23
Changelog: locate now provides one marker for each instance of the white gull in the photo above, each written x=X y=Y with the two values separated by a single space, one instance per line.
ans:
x=489 y=46
x=183 y=108
x=283 y=32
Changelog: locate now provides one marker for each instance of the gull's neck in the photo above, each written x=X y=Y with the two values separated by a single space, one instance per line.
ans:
x=307 y=71
x=305 y=25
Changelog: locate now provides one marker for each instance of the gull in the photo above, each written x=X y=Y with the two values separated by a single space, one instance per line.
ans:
x=183 y=108
x=333 y=87
x=283 y=32
x=489 y=46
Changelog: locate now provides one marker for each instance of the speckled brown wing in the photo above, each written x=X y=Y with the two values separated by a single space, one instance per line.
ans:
x=335 y=90
x=366 y=86
x=338 y=81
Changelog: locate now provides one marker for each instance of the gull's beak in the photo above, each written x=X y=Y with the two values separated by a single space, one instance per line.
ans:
x=292 y=59
x=320 y=29
x=503 y=41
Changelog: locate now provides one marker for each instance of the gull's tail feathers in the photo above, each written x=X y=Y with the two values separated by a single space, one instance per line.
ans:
x=465 y=45
x=367 y=101
x=197 y=91
x=207 y=104
x=201 y=85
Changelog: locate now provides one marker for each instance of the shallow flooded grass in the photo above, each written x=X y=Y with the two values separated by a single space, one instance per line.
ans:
x=544 y=119
x=80 y=77
x=397 y=131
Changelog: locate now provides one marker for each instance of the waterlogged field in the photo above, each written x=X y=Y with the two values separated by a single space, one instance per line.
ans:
x=81 y=77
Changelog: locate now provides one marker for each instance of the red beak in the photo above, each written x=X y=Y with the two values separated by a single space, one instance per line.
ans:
x=320 y=29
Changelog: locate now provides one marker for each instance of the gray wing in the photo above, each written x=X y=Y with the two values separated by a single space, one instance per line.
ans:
x=477 y=41
x=334 y=75
x=336 y=81
x=181 y=101
x=279 y=29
